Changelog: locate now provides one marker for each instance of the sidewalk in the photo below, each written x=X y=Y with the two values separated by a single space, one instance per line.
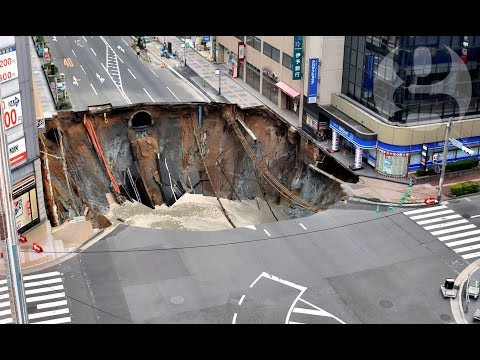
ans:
x=462 y=308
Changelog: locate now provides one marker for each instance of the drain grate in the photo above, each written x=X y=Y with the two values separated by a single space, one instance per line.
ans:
x=177 y=300
x=386 y=304
x=445 y=317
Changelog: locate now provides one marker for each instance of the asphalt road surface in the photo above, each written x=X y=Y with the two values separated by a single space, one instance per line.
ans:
x=105 y=69
x=345 y=265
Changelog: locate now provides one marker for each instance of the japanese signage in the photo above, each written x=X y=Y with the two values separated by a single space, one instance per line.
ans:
x=12 y=111
x=8 y=64
x=297 y=57
x=392 y=163
x=40 y=124
x=424 y=157
x=313 y=81
x=241 y=51
x=17 y=152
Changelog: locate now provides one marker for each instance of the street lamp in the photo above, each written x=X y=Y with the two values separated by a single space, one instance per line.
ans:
x=219 y=72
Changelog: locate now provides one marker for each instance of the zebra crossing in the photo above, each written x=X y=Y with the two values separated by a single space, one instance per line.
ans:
x=452 y=229
x=45 y=298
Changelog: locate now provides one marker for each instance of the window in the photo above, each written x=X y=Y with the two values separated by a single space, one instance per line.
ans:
x=271 y=51
x=287 y=61
x=254 y=42
x=241 y=38
x=253 y=76
x=269 y=90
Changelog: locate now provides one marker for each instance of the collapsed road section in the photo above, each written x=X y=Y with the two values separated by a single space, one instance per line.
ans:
x=157 y=155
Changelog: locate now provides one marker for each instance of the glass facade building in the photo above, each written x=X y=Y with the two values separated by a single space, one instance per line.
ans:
x=418 y=61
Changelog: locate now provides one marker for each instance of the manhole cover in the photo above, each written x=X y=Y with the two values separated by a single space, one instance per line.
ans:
x=177 y=300
x=466 y=216
x=445 y=317
x=386 y=304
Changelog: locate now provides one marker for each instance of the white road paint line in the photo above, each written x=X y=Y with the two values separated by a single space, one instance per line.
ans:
x=462 y=242
x=303 y=226
x=456 y=236
x=472 y=255
x=118 y=57
x=239 y=303
x=83 y=70
x=468 y=199
x=45 y=297
x=43 y=275
x=423 y=210
x=311 y=312
x=467 y=248
x=52 y=304
x=234 y=318
x=316 y=307
x=445 y=202
x=3 y=288
x=454 y=229
x=94 y=89
x=474 y=216
x=443 y=218
x=5 y=303
x=176 y=97
x=5 y=312
x=74 y=53
x=294 y=322
x=93 y=52
x=125 y=42
x=443 y=212
x=84 y=38
x=148 y=94
x=6 y=321
x=48 y=313
x=132 y=75
x=275 y=278
x=6 y=296
x=42 y=283
x=55 y=321
x=250 y=227
x=4 y=281
x=153 y=73
x=44 y=290
x=266 y=232
x=447 y=224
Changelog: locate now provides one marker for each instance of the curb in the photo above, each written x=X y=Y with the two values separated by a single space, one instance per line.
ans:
x=456 y=304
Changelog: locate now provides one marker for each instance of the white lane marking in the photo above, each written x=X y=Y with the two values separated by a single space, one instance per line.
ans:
x=132 y=75
x=454 y=229
x=43 y=275
x=94 y=89
x=447 y=224
x=4 y=281
x=93 y=52
x=74 y=53
x=118 y=57
x=316 y=307
x=5 y=312
x=472 y=255
x=120 y=89
x=44 y=289
x=83 y=70
x=3 y=288
x=468 y=199
x=455 y=236
x=266 y=232
x=148 y=94
x=250 y=227
x=474 y=216
x=48 y=313
x=125 y=42
x=461 y=242
x=5 y=303
x=153 y=73
x=51 y=304
x=84 y=38
x=443 y=212
x=311 y=312
x=276 y=278
x=234 y=318
x=6 y=321
x=239 y=303
x=6 y=296
x=294 y=322
x=467 y=248
x=176 y=97
x=303 y=226
x=45 y=297
x=42 y=283
x=418 y=211
x=55 y=321
x=443 y=218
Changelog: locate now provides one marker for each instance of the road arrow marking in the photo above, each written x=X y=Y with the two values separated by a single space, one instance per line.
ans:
x=54 y=38
x=120 y=48
x=100 y=78
x=75 y=81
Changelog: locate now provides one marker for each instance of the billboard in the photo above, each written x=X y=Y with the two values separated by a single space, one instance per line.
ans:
x=8 y=64
x=313 y=80
x=17 y=152
x=12 y=111
x=297 y=57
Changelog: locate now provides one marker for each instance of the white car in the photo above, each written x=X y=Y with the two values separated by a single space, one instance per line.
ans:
x=474 y=289
x=476 y=316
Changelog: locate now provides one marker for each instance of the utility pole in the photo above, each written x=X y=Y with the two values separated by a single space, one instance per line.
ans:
x=185 y=51
x=10 y=234
x=444 y=161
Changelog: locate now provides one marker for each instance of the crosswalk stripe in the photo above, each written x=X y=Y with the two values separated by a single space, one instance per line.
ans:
x=45 y=297
x=5 y=303
x=3 y=281
x=51 y=304
x=447 y=224
x=294 y=322
x=467 y=248
x=5 y=312
x=455 y=236
x=48 y=313
x=3 y=288
x=55 y=321
x=472 y=255
x=454 y=229
x=39 y=276
x=443 y=218
x=6 y=296
x=42 y=283
x=45 y=289
x=443 y=212
x=423 y=210
x=6 y=321
x=461 y=242
x=311 y=312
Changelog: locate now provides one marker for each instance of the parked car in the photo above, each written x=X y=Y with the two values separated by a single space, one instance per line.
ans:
x=476 y=316
x=474 y=289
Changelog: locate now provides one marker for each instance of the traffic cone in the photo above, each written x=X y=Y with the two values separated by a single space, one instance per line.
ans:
x=37 y=248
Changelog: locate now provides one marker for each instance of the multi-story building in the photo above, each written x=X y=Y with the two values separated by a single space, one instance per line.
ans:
x=19 y=121
x=383 y=98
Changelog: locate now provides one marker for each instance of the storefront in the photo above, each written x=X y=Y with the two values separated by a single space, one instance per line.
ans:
x=289 y=98
x=25 y=204
x=314 y=122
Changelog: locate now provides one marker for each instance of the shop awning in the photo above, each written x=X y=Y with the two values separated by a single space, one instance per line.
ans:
x=287 y=89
